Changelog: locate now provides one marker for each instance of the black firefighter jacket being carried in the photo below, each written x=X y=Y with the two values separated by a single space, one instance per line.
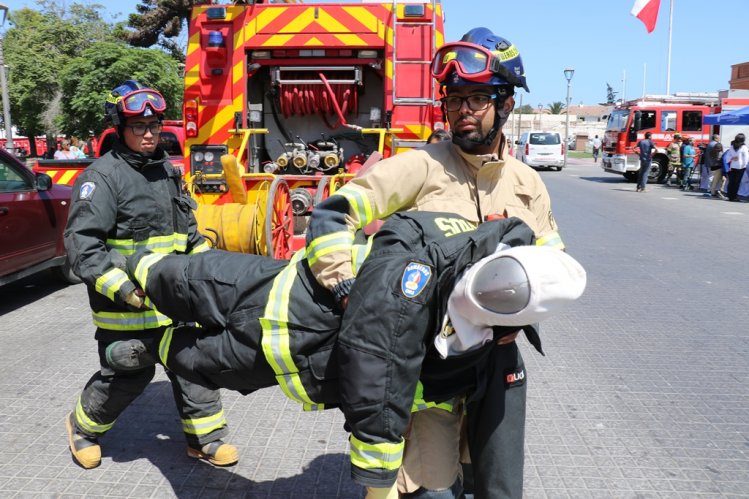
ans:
x=264 y=322
x=125 y=202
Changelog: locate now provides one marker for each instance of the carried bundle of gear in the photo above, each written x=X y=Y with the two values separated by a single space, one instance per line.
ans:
x=265 y=322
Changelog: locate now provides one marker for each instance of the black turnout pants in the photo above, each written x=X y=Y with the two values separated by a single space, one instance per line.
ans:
x=108 y=393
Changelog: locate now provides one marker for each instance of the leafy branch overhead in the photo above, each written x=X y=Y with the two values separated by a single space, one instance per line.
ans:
x=159 y=22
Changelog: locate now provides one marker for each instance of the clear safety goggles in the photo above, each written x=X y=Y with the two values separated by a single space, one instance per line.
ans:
x=134 y=103
x=471 y=62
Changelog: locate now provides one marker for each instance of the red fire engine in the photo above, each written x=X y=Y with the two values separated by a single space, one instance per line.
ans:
x=284 y=102
x=662 y=116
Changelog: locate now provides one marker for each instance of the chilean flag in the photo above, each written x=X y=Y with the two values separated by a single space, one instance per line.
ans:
x=647 y=12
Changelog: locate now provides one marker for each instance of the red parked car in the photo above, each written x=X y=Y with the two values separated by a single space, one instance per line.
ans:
x=33 y=213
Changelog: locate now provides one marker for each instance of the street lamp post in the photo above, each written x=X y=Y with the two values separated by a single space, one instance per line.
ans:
x=540 y=108
x=568 y=72
x=4 y=86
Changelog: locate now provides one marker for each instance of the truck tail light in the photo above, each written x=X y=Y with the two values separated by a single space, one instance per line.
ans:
x=191 y=118
x=526 y=149
x=562 y=149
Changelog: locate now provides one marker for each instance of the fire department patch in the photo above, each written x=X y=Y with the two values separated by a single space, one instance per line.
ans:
x=87 y=190
x=515 y=377
x=415 y=278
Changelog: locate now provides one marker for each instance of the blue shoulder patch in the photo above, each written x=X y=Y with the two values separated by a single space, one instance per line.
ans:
x=415 y=279
x=87 y=190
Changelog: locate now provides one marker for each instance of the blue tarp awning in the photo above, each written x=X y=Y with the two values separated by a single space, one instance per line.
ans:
x=733 y=117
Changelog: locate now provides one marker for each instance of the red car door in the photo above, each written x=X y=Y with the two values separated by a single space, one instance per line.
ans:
x=28 y=222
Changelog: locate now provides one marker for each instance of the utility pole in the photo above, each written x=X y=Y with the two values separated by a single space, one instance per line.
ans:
x=568 y=72
x=4 y=85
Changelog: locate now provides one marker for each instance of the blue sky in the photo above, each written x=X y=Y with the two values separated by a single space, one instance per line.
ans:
x=599 y=38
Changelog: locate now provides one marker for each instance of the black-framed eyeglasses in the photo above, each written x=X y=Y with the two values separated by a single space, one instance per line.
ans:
x=139 y=129
x=476 y=102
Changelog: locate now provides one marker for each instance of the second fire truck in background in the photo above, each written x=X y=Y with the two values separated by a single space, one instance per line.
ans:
x=662 y=116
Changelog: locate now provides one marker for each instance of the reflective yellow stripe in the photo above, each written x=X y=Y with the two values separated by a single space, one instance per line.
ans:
x=86 y=423
x=551 y=239
x=164 y=344
x=175 y=242
x=387 y=456
x=420 y=404
x=130 y=321
x=359 y=253
x=203 y=426
x=144 y=265
x=359 y=203
x=275 y=339
x=323 y=245
x=110 y=282
x=200 y=248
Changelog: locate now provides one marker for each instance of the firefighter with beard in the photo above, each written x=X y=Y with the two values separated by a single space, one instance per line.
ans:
x=132 y=199
x=474 y=176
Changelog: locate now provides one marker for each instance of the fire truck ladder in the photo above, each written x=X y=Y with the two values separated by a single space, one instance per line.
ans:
x=418 y=100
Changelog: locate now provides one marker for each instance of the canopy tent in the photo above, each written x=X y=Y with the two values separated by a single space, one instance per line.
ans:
x=733 y=117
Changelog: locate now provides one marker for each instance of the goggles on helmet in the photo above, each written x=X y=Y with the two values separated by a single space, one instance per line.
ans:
x=135 y=103
x=471 y=62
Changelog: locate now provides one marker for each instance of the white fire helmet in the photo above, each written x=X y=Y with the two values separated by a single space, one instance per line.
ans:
x=514 y=286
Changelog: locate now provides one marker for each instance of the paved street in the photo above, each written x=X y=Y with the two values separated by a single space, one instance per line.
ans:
x=643 y=392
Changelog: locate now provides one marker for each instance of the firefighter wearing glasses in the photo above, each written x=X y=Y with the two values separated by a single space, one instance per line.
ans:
x=127 y=200
x=473 y=176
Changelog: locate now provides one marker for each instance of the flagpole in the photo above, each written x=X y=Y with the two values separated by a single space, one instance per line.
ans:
x=668 y=64
x=644 y=76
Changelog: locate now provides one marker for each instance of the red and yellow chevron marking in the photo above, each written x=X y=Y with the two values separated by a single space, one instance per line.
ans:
x=62 y=177
x=318 y=26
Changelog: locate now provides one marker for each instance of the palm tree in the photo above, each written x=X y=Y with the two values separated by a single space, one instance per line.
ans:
x=556 y=107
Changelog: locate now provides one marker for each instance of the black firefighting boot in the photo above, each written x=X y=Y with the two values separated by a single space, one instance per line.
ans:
x=129 y=355
x=217 y=453
x=86 y=450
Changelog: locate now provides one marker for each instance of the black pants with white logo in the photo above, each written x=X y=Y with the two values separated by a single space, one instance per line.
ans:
x=496 y=427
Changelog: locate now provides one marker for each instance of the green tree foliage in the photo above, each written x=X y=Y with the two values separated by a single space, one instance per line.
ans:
x=159 y=22
x=87 y=81
x=556 y=107
x=37 y=48
x=525 y=109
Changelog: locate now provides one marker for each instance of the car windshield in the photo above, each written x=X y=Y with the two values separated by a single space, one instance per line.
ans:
x=618 y=121
x=546 y=139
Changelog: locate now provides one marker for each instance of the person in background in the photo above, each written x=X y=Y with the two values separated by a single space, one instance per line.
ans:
x=596 y=148
x=646 y=150
x=737 y=159
x=127 y=200
x=714 y=164
x=438 y=136
x=688 y=154
x=64 y=152
x=76 y=146
x=673 y=151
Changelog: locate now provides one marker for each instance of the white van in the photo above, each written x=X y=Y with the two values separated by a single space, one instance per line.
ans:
x=539 y=149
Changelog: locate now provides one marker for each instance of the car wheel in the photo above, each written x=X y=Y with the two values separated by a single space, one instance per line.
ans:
x=65 y=273
x=658 y=170
x=558 y=168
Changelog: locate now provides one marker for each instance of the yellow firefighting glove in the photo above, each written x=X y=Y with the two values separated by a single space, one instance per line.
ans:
x=382 y=493
x=135 y=298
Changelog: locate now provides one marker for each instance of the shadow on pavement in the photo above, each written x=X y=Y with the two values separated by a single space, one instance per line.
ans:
x=607 y=180
x=20 y=293
x=149 y=429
